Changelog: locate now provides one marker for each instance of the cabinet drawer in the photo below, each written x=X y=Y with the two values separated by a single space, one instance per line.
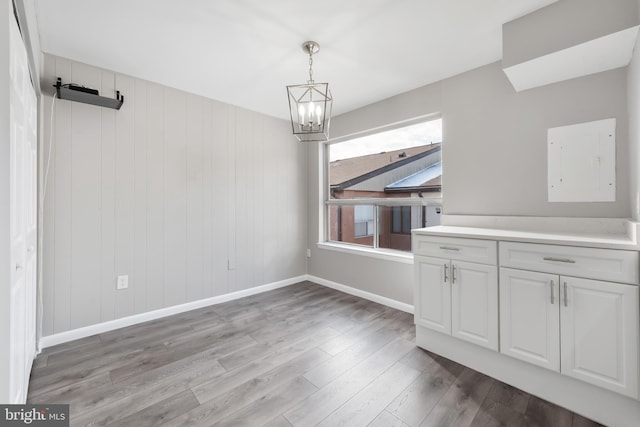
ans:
x=604 y=264
x=473 y=250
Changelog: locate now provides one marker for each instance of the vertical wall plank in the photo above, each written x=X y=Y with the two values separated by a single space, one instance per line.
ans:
x=207 y=199
x=124 y=186
x=140 y=197
x=299 y=167
x=256 y=175
x=48 y=238
x=155 y=198
x=175 y=196
x=222 y=163
x=230 y=192
x=270 y=214
x=62 y=251
x=195 y=188
x=107 y=207
x=85 y=202
x=243 y=124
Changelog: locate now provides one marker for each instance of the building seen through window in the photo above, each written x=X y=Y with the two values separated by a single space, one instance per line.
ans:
x=383 y=185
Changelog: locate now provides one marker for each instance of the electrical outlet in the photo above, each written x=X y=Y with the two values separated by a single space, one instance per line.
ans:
x=122 y=282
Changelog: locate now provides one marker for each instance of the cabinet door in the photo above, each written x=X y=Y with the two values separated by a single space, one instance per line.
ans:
x=474 y=303
x=530 y=316
x=599 y=324
x=432 y=293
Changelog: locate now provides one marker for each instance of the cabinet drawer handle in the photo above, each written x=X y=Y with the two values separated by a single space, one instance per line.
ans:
x=453 y=274
x=567 y=260
x=565 y=294
x=449 y=248
x=552 y=298
x=445 y=273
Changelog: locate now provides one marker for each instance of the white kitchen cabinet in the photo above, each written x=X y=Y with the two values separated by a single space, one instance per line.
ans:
x=584 y=328
x=474 y=303
x=530 y=317
x=433 y=294
x=599 y=333
x=592 y=263
x=454 y=296
x=578 y=348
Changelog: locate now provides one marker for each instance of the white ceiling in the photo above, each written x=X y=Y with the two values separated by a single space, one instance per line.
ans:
x=244 y=52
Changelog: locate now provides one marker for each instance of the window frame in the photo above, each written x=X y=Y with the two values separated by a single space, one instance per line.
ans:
x=399 y=212
x=326 y=202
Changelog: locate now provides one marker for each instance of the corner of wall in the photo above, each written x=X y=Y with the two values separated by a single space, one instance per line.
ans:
x=633 y=110
x=29 y=23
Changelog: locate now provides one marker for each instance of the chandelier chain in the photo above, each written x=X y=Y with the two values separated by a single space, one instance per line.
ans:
x=310 y=67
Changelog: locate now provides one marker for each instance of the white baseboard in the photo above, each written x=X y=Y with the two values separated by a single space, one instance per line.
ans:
x=55 y=339
x=408 y=308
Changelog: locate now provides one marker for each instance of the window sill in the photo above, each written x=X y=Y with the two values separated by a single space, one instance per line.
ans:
x=386 y=254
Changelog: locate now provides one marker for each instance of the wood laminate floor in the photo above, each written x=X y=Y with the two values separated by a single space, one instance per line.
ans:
x=303 y=355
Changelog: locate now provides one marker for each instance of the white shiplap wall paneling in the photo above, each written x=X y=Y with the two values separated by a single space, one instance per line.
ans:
x=195 y=191
x=85 y=203
x=155 y=197
x=124 y=197
x=140 y=198
x=61 y=250
x=175 y=200
x=48 y=224
x=190 y=197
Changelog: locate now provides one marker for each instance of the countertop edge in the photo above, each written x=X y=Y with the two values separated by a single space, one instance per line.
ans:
x=613 y=241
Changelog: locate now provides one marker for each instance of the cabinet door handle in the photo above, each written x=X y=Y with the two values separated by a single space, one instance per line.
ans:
x=449 y=248
x=552 y=298
x=453 y=274
x=565 y=294
x=445 y=273
x=567 y=260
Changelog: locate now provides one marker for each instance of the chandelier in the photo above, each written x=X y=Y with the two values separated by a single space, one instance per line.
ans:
x=310 y=104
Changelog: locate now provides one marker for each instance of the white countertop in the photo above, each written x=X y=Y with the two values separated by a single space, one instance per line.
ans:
x=603 y=240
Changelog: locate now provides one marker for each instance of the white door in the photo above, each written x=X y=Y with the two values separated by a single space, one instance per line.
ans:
x=23 y=170
x=433 y=293
x=599 y=324
x=530 y=317
x=474 y=303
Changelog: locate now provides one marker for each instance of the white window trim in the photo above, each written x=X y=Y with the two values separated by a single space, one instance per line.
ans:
x=397 y=201
x=324 y=201
x=379 y=253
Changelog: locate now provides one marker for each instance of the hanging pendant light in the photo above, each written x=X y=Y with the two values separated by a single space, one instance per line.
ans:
x=310 y=104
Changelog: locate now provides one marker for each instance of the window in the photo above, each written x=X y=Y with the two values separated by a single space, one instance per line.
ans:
x=401 y=219
x=363 y=221
x=382 y=185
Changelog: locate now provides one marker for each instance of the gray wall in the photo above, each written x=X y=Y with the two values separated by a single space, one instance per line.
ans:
x=190 y=197
x=494 y=156
x=495 y=142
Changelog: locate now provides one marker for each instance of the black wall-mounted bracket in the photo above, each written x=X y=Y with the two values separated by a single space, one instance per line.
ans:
x=77 y=93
